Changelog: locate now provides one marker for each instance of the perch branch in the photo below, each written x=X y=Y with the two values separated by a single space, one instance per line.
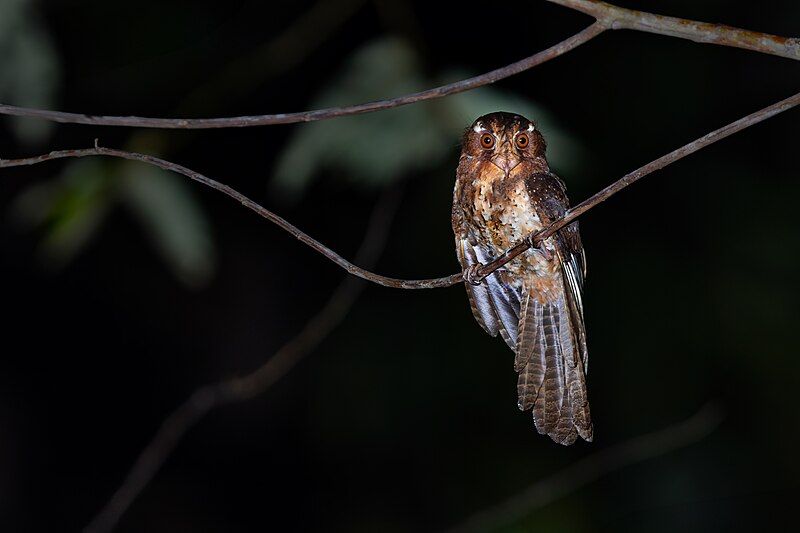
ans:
x=607 y=17
x=636 y=175
x=453 y=279
x=209 y=397
x=593 y=467
x=619 y=18
x=320 y=114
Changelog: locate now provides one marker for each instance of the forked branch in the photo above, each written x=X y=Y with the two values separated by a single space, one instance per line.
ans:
x=607 y=17
x=619 y=18
x=319 y=114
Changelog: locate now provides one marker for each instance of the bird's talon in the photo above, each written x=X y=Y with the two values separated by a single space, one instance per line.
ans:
x=472 y=275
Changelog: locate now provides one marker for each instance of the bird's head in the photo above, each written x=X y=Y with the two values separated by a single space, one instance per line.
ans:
x=504 y=140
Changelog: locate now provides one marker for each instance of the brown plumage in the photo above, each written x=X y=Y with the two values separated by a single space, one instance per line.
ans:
x=504 y=190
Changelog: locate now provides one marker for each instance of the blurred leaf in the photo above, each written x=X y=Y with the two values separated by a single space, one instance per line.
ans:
x=169 y=212
x=374 y=148
x=377 y=148
x=69 y=210
x=30 y=70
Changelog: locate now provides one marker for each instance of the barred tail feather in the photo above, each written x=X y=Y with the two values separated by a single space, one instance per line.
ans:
x=551 y=374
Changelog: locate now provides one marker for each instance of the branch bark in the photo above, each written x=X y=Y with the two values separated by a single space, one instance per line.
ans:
x=619 y=18
x=320 y=114
x=607 y=17
x=636 y=175
x=446 y=281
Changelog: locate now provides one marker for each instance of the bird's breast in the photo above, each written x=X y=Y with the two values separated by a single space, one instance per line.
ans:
x=504 y=215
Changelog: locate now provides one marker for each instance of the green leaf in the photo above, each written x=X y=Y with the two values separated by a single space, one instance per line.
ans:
x=175 y=223
x=30 y=72
x=378 y=148
x=371 y=149
x=68 y=210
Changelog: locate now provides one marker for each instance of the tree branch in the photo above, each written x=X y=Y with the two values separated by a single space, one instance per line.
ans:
x=593 y=467
x=209 y=397
x=636 y=175
x=619 y=18
x=607 y=17
x=245 y=201
x=320 y=114
x=453 y=279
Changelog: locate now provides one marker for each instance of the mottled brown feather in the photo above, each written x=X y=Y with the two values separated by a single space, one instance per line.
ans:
x=535 y=301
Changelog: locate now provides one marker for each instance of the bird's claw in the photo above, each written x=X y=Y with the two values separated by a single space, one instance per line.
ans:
x=472 y=274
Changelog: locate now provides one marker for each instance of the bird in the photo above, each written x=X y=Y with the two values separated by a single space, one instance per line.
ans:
x=504 y=191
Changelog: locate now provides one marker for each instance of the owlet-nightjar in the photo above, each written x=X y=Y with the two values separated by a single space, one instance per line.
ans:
x=504 y=191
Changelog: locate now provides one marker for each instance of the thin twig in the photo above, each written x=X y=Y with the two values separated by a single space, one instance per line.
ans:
x=320 y=114
x=453 y=279
x=618 y=18
x=239 y=197
x=206 y=398
x=593 y=467
x=607 y=17
x=636 y=175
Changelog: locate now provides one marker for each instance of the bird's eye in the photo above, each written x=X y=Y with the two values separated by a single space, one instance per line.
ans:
x=522 y=140
x=487 y=140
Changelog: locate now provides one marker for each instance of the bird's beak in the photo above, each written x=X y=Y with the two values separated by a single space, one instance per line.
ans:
x=506 y=158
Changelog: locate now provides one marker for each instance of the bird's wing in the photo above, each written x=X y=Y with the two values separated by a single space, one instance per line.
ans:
x=551 y=351
x=479 y=299
x=495 y=304
x=552 y=205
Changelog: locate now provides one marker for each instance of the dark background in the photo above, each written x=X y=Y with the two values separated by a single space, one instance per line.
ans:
x=405 y=418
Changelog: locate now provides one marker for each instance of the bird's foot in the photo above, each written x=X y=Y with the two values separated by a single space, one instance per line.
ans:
x=472 y=274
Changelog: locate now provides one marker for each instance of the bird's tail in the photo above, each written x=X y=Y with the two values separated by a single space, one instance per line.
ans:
x=549 y=358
